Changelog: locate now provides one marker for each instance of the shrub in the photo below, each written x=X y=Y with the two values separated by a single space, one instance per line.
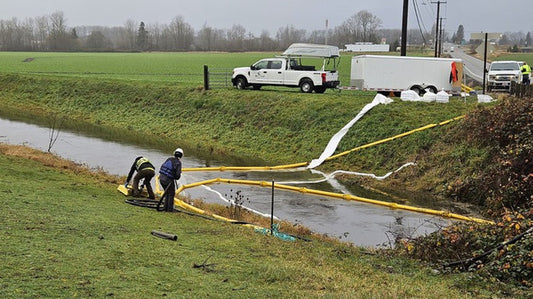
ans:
x=506 y=131
x=505 y=190
x=479 y=248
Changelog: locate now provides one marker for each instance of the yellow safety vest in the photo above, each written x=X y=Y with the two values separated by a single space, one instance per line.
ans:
x=526 y=69
x=140 y=162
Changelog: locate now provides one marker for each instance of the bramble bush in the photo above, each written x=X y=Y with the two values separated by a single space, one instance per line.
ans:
x=504 y=190
x=506 y=130
x=463 y=243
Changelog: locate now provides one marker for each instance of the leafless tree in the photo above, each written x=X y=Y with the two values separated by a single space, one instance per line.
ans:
x=211 y=39
x=178 y=36
x=236 y=37
x=40 y=32
x=368 y=24
x=288 y=35
x=55 y=123
x=126 y=37
x=51 y=32
x=266 y=43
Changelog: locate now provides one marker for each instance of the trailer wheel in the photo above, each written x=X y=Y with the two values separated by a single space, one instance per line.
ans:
x=417 y=89
x=433 y=89
x=240 y=83
x=306 y=86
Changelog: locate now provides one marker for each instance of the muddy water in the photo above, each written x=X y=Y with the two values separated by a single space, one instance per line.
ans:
x=358 y=223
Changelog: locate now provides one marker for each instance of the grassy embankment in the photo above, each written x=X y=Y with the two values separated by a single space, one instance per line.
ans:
x=67 y=233
x=276 y=126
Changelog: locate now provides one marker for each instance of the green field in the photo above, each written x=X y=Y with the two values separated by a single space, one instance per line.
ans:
x=158 y=67
x=517 y=57
x=183 y=68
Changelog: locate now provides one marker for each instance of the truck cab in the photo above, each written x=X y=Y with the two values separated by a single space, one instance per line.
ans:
x=268 y=71
x=293 y=69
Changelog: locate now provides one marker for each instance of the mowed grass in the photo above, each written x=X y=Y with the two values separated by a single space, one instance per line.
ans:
x=184 y=68
x=528 y=57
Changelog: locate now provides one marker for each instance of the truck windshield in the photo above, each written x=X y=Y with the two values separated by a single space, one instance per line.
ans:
x=263 y=64
x=507 y=66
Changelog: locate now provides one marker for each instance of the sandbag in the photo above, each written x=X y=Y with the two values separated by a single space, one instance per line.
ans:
x=442 y=97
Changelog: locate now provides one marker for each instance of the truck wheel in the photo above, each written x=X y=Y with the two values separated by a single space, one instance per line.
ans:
x=320 y=89
x=240 y=83
x=306 y=86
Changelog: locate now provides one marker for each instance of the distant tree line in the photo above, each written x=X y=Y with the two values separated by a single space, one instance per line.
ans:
x=51 y=33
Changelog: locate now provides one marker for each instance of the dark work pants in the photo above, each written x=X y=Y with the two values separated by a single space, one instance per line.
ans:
x=525 y=79
x=147 y=174
x=169 y=186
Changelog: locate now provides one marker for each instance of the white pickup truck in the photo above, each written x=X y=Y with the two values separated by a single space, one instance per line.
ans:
x=296 y=68
x=502 y=73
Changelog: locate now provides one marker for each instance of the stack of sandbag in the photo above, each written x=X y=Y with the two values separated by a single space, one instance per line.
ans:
x=442 y=97
x=429 y=96
x=409 y=96
x=484 y=98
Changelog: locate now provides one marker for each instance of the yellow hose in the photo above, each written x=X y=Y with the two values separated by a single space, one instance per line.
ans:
x=303 y=164
x=304 y=190
x=312 y=191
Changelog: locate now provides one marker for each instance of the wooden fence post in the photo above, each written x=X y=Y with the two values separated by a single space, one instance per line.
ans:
x=206 y=77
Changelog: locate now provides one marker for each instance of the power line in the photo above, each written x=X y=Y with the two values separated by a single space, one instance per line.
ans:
x=428 y=7
x=417 y=12
x=421 y=17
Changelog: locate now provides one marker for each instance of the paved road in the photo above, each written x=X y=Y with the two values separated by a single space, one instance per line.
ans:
x=473 y=67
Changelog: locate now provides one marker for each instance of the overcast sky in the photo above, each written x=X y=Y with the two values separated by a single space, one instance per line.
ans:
x=270 y=15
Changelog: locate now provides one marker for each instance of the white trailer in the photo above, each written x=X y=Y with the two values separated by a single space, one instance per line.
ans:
x=386 y=74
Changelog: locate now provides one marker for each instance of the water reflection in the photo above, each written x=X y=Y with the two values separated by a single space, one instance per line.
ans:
x=360 y=223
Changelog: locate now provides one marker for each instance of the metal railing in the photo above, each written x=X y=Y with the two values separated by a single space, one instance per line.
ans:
x=217 y=77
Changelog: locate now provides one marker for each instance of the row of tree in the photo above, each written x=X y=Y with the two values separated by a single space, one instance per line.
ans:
x=51 y=33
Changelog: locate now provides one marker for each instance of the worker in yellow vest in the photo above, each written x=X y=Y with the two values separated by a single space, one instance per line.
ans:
x=526 y=72
x=145 y=170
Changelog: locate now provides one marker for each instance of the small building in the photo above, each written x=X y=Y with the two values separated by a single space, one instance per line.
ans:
x=490 y=48
x=367 y=47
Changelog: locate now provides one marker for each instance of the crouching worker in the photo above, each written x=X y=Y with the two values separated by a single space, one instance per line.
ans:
x=145 y=170
x=170 y=171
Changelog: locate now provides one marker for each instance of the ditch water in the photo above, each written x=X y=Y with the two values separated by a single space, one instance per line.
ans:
x=359 y=223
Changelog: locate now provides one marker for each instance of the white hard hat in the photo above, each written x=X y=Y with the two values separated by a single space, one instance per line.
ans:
x=178 y=152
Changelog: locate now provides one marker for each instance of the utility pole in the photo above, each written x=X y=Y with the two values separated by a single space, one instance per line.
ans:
x=441 y=34
x=403 y=51
x=485 y=62
x=326 y=32
x=437 y=27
